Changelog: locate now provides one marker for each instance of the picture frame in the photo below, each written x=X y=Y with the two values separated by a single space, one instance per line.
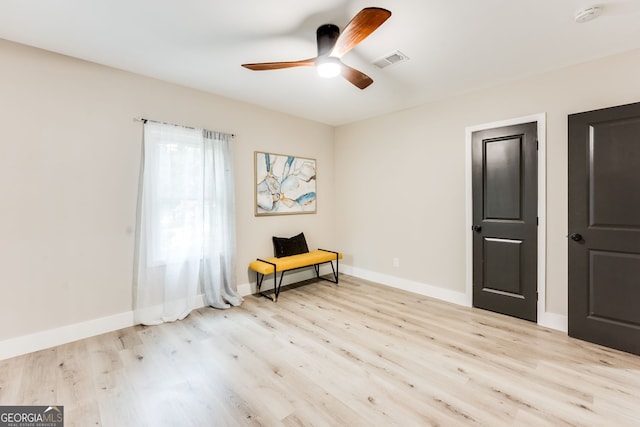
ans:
x=284 y=184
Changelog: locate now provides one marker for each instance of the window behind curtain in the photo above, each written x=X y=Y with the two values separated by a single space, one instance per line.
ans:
x=176 y=220
x=178 y=225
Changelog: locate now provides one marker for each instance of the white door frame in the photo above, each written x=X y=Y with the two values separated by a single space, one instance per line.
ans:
x=540 y=119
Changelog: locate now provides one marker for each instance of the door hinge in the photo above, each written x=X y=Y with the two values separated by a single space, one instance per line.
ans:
x=537 y=145
x=537 y=221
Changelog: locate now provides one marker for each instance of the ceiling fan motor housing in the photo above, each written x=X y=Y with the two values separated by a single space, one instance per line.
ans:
x=326 y=36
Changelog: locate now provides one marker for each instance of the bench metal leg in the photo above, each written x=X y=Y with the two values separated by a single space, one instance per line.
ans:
x=259 y=278
x=279 y=285
x=276 y=288
x=336 y=271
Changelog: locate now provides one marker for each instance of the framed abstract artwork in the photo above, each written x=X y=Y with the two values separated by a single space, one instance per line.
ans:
x=284 y=184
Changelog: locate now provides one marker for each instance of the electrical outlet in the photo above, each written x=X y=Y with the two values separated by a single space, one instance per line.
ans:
x=396 y=262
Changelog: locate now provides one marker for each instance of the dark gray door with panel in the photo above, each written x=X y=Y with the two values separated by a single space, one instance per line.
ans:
x=604 y=227
x=505 y=194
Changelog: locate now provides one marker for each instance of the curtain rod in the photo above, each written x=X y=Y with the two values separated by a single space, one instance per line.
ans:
x=143 y=120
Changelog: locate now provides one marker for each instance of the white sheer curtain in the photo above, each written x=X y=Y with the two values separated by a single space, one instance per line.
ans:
x=186 y=238
x=219 y=268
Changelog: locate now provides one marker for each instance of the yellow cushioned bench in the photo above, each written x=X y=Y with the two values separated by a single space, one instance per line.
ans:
x=273 y=265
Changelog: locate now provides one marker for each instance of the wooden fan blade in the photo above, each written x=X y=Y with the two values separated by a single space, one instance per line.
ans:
x=358 y=29
x=355 y=77
x=262 y=66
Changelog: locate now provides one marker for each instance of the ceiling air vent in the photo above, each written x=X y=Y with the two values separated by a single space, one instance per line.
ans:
x=587 y=14
x=393 y=58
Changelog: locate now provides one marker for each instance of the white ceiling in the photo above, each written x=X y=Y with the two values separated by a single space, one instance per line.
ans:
x=454 y=46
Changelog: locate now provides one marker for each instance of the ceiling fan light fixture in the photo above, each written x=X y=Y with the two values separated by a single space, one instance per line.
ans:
x=328 y=68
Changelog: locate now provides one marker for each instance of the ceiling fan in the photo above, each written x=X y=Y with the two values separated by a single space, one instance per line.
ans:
x=332 y=45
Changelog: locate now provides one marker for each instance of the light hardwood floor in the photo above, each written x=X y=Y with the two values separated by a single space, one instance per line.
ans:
x=357 y=354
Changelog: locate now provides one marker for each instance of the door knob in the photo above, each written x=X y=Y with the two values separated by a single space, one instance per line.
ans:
x=576 y=237
x=476 y=228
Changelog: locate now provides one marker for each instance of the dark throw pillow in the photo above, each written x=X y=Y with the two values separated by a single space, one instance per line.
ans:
x=295 y=245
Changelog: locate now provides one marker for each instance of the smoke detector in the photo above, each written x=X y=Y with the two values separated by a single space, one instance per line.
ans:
x=587 y=14
x=391 y=59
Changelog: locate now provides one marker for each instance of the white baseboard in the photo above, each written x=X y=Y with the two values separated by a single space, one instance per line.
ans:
x=65 y=334
x=244 y=289
x=548 y=320
x=419 y=288
x=52 y=337
x=558 y=322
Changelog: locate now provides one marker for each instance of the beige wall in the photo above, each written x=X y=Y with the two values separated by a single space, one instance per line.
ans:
x=401 y=187
x=69 y=168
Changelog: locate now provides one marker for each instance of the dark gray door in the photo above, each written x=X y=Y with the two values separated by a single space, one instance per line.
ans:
x=505 y=205
x=604 y=227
